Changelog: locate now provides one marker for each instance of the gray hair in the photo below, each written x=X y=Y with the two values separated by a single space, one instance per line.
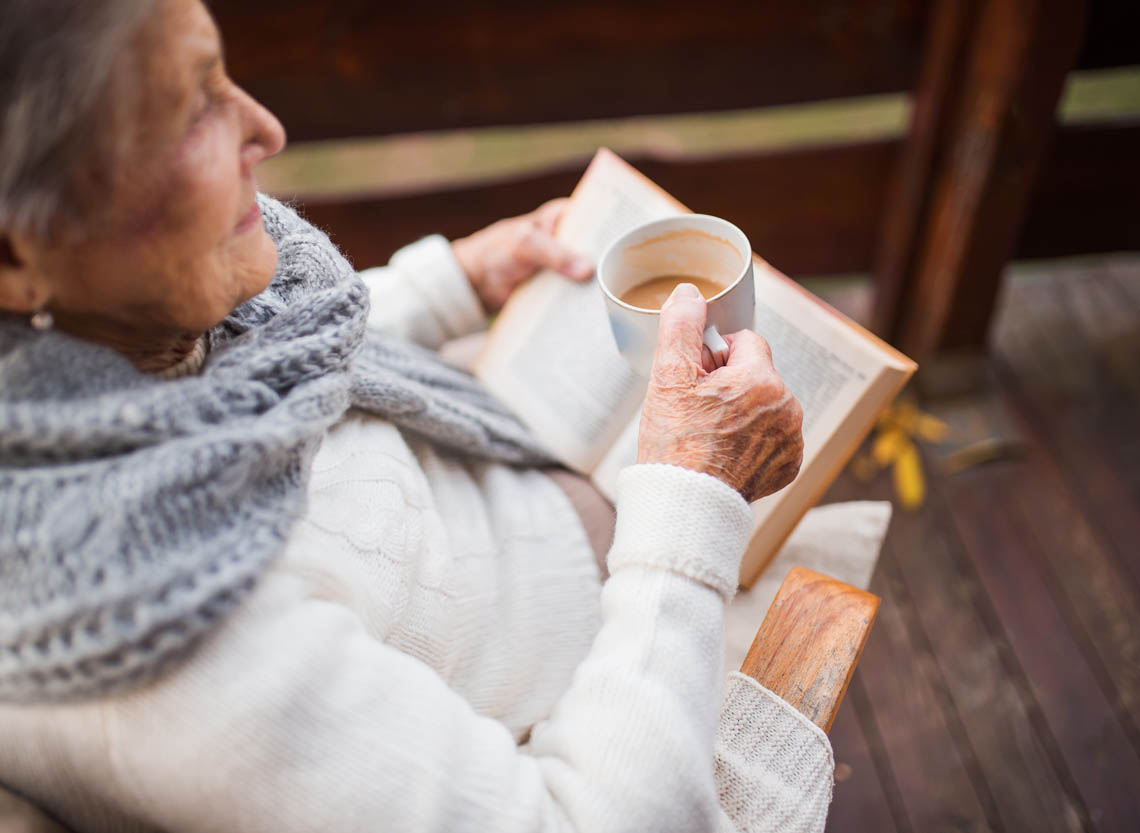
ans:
x=56 y=61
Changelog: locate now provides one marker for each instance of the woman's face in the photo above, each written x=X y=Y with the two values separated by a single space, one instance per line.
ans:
x=180 y=242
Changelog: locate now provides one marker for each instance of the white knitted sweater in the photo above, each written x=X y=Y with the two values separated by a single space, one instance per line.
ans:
x=434 y=652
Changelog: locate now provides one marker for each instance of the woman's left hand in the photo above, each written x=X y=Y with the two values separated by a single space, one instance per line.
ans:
x=506 y=253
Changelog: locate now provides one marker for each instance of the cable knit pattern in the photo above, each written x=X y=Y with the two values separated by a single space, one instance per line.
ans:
x=137 y=511
x=773 y=766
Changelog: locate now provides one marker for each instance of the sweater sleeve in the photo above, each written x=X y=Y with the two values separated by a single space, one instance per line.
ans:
x=423 y=295
x=774 y=767
x=292 y=718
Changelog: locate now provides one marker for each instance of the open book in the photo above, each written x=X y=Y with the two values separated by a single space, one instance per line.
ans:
x=551 y=358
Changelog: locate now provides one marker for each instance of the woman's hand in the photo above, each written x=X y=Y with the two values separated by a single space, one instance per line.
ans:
x=506 y=253
x=739 y=423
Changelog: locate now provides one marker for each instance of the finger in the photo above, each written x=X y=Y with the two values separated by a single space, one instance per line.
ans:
x=547 y=215
x=542 y=250
x=708 y=361
x=748 y=348
x=680 y=336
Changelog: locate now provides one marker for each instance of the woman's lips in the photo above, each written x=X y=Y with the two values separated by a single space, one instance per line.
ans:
x=249 y=220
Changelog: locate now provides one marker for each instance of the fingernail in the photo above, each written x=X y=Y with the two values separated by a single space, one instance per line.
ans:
x=684 y=292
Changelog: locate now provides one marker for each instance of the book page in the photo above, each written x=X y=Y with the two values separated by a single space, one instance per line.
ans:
x=823 y=366
x=551 y=356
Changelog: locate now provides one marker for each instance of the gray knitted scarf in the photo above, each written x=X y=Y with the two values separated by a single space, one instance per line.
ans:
x=135 y=512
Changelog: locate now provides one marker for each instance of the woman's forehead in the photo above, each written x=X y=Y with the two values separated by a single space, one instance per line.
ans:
x=173 y=52
x=179 y=42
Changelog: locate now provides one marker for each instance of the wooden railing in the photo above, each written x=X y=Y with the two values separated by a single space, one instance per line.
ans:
x=981 y=176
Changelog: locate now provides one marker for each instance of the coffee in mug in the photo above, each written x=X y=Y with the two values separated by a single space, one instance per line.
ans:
x=641 y=268
x=652 y=293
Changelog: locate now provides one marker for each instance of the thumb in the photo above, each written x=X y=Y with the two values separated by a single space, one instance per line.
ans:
x=680 y=335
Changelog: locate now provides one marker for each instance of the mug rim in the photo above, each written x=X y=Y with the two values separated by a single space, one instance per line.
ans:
x=620 y=241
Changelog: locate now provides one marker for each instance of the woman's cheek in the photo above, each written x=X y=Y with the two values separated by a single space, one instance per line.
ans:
x=209 y=178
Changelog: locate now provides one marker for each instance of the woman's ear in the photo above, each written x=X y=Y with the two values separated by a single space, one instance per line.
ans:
x=20 y=292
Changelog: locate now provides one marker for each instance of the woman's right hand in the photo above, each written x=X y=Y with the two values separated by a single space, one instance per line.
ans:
x=739 y=423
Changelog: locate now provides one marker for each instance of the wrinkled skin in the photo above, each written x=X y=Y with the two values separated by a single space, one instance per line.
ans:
x=506 y=253
x=738 y=423
x=177 y=242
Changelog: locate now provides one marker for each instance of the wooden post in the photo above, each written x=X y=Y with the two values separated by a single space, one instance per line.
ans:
x=807 y=648
x=984 y=110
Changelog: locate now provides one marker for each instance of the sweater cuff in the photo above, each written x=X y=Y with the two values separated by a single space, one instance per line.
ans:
x=774 y=767
x=680 y=520
x=443 y=284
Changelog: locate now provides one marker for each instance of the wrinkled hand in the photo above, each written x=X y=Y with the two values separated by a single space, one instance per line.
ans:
x=739 y=423
x=506 y=253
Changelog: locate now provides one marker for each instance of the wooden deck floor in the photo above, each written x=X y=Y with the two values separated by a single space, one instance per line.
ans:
x=1000 y=688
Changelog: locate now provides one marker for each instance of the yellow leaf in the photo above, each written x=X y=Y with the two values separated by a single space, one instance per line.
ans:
x=906 y=414
x=931 y=429
x=886 y=446
x=909 y=482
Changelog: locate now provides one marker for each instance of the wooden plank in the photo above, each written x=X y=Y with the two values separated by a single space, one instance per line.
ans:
x=1097 y=485
x=904 y=691
x=944 y=51
x=1024 y=775
x=1049 y=369
x=1019 y=763
x=810 y=641
x=1105 y=767
x=1072 y=338
x=858 y=801
x=1019 y=54
x=809 y=211
x=1091 y=586
x=1108 y=327
x=989 y=713
x=358 y=68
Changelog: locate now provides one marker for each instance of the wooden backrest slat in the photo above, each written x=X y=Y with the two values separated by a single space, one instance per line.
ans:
x=361 y=68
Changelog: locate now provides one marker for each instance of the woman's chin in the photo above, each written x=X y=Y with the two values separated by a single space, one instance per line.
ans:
x=257 y=268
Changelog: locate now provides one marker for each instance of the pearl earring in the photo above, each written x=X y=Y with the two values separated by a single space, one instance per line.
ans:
x=42 y=320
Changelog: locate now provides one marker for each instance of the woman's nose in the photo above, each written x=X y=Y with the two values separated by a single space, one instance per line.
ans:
x=264 y=134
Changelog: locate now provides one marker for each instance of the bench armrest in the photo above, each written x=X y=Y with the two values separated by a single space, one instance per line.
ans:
x=810 y=641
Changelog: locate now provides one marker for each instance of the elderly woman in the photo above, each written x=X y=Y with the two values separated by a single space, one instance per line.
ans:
x=265 y=564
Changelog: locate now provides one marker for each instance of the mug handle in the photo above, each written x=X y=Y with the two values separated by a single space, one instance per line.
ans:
x=716 y=344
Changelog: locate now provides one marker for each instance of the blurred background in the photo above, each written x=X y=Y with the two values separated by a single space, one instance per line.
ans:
x=962 y=177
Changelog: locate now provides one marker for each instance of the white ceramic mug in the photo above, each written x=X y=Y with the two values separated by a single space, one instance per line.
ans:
x=688 y=244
